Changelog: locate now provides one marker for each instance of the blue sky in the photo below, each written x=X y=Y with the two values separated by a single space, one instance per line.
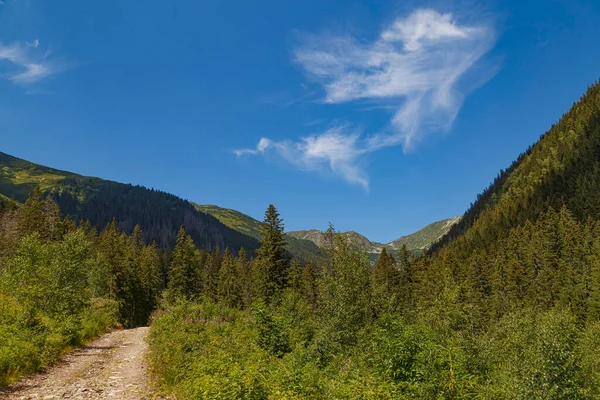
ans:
x=380 y=117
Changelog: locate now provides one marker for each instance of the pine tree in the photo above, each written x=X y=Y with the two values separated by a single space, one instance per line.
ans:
x=151 y=280
x=53 y=228
x=31 y=215
x=229 y=282
x=310 y=284
x=386 y=280
x=211 y=274
x=345 y=297
x=272 y=253
x=130 y=274
x=137 y=240
x=182 y=268
x=244 y=272
x=295 y=275
x=405 y=285
x=111 y=246
x=259 y=278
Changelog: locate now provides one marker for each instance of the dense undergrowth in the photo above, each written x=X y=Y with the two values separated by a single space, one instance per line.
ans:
x=210 y=351
x=45 y=306
x=62 y=285
x=489 y=327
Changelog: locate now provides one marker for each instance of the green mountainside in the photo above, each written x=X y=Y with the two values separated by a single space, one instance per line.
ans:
x=158 y=213
x=304 y=249
x=561 y=169
x=505 y=305
x=424 y=238
x=232 y=218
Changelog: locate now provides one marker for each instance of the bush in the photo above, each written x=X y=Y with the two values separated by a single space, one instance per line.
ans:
x=49 y=309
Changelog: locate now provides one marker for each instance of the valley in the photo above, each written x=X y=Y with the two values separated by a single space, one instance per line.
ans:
x=275 y=200
x=509 y=292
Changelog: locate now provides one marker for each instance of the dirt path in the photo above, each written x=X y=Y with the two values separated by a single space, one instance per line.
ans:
x=111 y=367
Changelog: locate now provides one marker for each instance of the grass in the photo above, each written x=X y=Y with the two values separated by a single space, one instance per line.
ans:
x=423 y=238
x=233 y=219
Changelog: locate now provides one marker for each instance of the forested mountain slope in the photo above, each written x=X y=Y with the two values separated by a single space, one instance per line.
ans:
x=562 y=168
x=158 y=213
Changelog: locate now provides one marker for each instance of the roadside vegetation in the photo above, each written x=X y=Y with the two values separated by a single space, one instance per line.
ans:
x=407 y=328
x=62 y=284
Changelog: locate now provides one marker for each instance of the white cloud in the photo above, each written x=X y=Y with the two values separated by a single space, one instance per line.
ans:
x=24 y=66
x=335 y=150
x=263 y=144
x=35 y=44
x=415 y=66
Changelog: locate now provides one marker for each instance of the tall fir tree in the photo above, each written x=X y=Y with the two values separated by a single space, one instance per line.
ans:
x=151 y=281
x=310 y=284
x=182 y=268
x=53 y=228
x=229 y=281
x=211 y=274
x=31 y=215
x=245 y=276
x=272 y=255
x=386 y=281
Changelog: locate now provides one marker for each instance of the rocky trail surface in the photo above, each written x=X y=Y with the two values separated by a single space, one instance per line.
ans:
x=111 y=367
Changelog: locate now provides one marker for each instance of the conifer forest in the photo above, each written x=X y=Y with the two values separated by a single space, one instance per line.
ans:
x=506 y=305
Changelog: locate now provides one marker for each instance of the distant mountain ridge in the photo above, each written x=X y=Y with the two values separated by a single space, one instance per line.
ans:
x=308 y=242
x=418 y=241
x=425 y=237
x=159 y=214
x=303 y=249
x=317 y=237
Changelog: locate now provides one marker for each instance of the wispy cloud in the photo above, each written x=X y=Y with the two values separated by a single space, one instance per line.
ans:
x=417 y=66
x=25 y=64
x=335 y=150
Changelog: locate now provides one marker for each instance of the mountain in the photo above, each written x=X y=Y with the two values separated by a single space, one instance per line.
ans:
x=417 y=241
x=158 y=213
x=306 y=243
x=232 y=218
x=299 y=247
x=425 y=237
x=561 y=169
x=317 y=237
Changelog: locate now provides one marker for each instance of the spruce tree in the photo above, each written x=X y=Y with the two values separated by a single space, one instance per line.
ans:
x=182 y=268
x=272 y=254
x=386 y=280
x=211 y=274
x=112 y=246
x=229 y=283
x=31 y=215
x=151 y=280
x=295 y=275
x=310 y=284
x=52 y=229
x=244 y=273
